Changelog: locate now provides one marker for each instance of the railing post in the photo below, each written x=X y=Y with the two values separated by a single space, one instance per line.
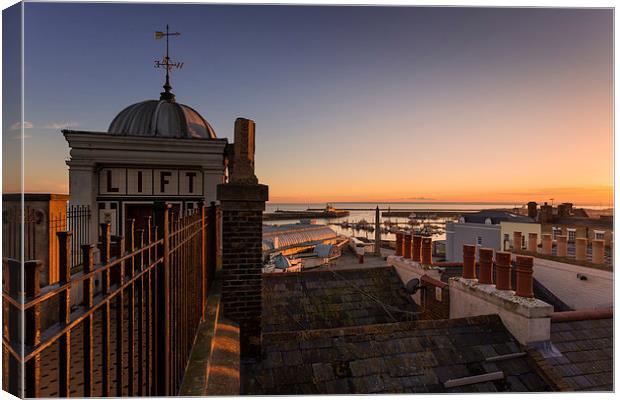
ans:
x=13 y=326
x=203 y=260
x=211 y=243
x=105 y=278
x=131 y=309
x=64 y=313
x=32 y=271
x=141 y=314
x=104 y=238
x=88 y=252
x=120 y=320
x=162 y=215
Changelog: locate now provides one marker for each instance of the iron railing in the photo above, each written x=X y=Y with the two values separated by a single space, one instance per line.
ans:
x=131 y=337
x=39 y=234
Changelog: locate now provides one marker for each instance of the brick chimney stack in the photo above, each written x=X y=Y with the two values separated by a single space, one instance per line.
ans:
x=532 y=211
x=527 y=319
x=242 y=204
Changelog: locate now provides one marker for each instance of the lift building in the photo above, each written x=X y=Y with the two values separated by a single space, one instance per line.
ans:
x=153 y=151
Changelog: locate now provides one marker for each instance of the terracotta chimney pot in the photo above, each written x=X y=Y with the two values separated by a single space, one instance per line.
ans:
x=486 y=266
x=598 y=251
x=416 y=248
x=469 y=261
x=525 y=281
x=517 y=241
x=532 y=242
x=581 y=244
x=547 y=243
x=399 y=243
x=502 y=270
x=407 y=245
x=562 y=243
x=427 y=251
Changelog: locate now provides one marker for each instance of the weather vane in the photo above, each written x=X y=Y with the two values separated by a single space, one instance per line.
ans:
x=166 y=63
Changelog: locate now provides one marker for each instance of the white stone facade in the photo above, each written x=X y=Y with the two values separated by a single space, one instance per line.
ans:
x=108 y=172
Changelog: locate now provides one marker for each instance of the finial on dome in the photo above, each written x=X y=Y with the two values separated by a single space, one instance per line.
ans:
x=167 y=65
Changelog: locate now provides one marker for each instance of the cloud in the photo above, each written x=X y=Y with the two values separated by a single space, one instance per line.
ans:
x=61 y=125
x=18 y=125
x=19 y=136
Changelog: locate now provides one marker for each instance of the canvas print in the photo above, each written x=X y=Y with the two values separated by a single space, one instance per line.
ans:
x=234 y=199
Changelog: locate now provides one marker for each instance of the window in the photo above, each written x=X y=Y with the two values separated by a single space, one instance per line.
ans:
x=557 y=231
x=599 y=235
x=479 y=240
x=572 y=234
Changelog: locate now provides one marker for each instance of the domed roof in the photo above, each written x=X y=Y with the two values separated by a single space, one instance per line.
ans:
x=161 y=118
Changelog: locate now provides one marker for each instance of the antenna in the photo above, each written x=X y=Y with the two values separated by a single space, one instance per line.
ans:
x=167 y=64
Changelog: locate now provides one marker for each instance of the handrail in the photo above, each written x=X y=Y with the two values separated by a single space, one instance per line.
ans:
x=56 y=288
x=51 y=339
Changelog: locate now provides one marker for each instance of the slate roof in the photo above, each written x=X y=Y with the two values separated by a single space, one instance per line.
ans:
x=496 y=217
x=329 y=299
x=414 y=356
x=603 y=223
x=587 y=353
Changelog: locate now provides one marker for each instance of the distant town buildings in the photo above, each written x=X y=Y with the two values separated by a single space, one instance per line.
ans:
x=492 y=229
x=562 y=231
x=573 y=222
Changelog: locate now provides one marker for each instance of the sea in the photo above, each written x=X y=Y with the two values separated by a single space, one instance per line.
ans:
x=366 y=211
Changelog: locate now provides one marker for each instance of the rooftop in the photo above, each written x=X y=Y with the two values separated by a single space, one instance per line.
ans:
x=587 y=351
x=402 y=357
x=496 y=216
x=324 y=299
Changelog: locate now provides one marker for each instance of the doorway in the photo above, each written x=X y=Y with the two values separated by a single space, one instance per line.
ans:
x=140 y=213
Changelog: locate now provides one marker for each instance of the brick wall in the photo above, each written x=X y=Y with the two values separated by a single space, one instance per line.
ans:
x=241 y=264
x=435 y=299
x=242 y=208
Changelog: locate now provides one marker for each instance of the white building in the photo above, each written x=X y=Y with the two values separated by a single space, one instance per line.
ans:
x=488 y=228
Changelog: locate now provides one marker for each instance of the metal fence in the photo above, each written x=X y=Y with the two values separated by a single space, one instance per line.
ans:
x=39 y=234
x=77 y=221
x=134 y=335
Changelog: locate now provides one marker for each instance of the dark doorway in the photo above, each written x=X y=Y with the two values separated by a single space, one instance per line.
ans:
x=140 y=213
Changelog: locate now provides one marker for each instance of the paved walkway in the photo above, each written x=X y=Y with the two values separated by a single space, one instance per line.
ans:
x=561 y=279
x=50 y=360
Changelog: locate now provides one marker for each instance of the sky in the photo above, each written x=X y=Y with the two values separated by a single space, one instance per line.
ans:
x=350 y=103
